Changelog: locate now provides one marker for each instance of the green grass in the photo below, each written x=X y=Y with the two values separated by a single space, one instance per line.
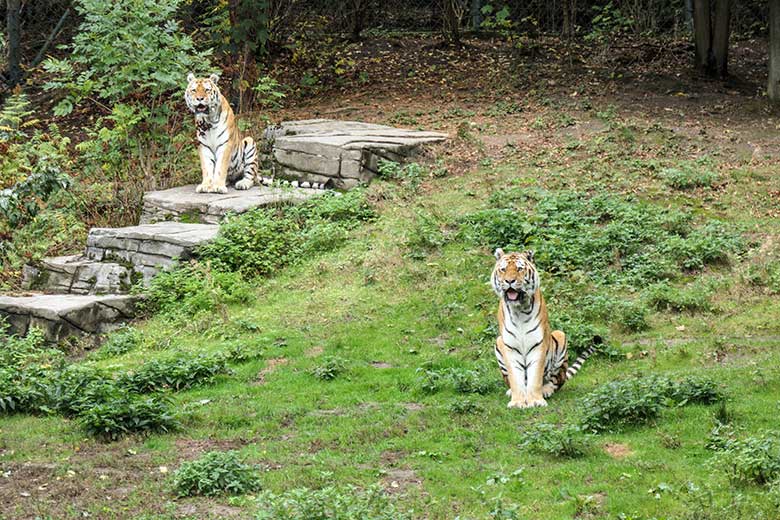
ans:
x=326 y=392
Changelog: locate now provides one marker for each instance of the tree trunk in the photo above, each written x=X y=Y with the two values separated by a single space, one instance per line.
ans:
x=702 y=35
x=773 y=87
x=711 y=35
x=720 y=38
x=476 y=14
x=14 y=42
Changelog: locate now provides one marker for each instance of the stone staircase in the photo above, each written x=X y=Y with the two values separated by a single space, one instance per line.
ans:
x=88 y=293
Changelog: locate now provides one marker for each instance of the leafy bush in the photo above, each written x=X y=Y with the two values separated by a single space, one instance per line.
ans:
x=567 y=441
x=425 y=237
x=464 y=406
x=617 y=239
x=122 y=47
x=409 y=175
x=640 y=400
x=686 y=178
x=262 y=241
x=330 y=503
x=754 y=460
x=480 y=380
x=124 y=414
x=120 y=342
x=177 y=373
x=193 y=288
x=693 y=298
x=329 y=368
x=694 y=389
x=77 y=388
x=215 y=473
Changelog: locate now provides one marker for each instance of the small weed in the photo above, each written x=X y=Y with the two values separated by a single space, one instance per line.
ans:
x=426 y=236
x=120 y=342
x=329 y=368
x=464 y=406
x=215 y=473
x=694 y=298
x=568 y=441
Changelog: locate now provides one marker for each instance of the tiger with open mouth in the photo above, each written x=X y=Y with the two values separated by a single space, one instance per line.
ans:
x=532 y=358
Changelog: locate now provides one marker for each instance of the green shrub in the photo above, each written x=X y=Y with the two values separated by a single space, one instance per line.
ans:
x=694 y=390
x=215 y=473
x=177 y=373
x=622 y=403
x=614 y=238
x=329 y=368
x=193 y=288
x=686 y=178
x=77 y=388
x=464 y=406
x=425 y=237
x=640 y=400
x=720 y=437
x=479 y=381
x=125 y=414
x=754 y=460
x=124 y=47
x=120 y=342
x=567 y=441
x=693 y=298
x=262 y=241
x=330 y=503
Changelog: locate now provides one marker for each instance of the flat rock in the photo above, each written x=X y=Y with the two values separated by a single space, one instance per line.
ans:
x=77 y=274
x=183 y=204
x=345 y=152
x=148 y=247
x=62 y=316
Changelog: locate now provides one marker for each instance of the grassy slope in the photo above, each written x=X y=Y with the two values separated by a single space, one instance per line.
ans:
x=387 y=315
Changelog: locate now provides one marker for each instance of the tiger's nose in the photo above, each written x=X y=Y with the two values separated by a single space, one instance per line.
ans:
x=510 y=282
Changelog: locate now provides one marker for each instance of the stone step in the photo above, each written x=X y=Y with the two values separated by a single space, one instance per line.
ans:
x=77 y=274
x=342 y=154
x=183 y=204
x=61 y=316
x=149 y=247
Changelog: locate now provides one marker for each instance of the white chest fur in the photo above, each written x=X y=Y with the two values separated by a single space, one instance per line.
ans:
x=523 y=335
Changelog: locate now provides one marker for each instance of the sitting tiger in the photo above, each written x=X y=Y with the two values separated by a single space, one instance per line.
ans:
x=224 y=155
x=532 y=358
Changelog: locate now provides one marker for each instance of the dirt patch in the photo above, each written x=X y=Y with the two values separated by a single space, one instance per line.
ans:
x=381 y=364
x=270 y=366
x=187 y=449
x=617 y=450
x=399 y=480
x=209 y=509
x=413 y=407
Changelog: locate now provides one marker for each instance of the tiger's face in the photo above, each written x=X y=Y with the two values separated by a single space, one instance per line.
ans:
x=515 y=278
x=202 y=94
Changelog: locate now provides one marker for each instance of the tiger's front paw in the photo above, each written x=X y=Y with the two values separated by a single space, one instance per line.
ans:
x=519 y=402
x=202 y=188
x=244 y=184
x=219 y=189
x=536 y=401
x=548 y=390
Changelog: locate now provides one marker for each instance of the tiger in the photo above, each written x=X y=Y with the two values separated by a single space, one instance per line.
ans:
x=224 y=155
x=533 y=359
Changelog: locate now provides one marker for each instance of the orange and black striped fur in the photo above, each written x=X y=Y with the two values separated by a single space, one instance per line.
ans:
x=532 y=358
x=224 y=155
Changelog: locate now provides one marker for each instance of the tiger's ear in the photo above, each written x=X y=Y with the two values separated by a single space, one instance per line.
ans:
x=498 y=253
x=214 y=78
x=530 y=255
x=190 y=77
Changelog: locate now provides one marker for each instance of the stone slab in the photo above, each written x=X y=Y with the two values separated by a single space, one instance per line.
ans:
x=183 y=204
x=148 y=245
x=61 y=316
x=346 y=152
x=77 y=274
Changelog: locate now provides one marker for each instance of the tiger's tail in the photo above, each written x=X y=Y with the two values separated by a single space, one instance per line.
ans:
x=577 y=365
